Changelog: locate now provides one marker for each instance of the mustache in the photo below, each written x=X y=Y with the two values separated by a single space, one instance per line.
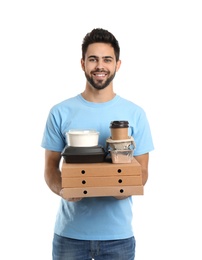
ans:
x=100 y=70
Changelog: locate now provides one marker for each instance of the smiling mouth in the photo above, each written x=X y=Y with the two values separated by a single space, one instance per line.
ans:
x=100 y=74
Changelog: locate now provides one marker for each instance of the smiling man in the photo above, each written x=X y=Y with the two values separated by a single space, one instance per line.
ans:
x=97 y=228
x=100 y=70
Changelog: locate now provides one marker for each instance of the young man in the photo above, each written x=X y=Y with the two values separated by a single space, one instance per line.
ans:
x=98 y=227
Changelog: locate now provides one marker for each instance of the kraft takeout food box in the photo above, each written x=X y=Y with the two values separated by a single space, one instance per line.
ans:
x=101 y=179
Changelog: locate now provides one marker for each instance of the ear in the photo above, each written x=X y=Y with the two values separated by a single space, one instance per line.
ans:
x=118 y=65
x=82 y=65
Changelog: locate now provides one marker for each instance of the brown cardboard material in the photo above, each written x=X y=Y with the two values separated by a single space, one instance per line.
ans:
x=79 y=182
x=101 y=179
x=101 y=169
x=119 y=133
x=102 y=191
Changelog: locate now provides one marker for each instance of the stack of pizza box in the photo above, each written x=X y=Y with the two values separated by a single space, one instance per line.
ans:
x=101 y=179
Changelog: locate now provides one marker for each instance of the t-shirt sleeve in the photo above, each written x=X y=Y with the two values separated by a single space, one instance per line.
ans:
x=53 y=139
x=142 y=135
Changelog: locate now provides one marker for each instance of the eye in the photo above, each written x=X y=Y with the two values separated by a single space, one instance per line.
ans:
x=107 y=60
x=93 y=60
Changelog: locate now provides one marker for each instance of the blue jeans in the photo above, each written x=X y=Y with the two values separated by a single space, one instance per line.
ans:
x=72 y=249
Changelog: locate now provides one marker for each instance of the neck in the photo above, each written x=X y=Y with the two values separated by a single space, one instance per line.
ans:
x=98 y=96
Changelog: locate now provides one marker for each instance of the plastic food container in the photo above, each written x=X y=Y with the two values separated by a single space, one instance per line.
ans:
x=121 y=156
x=93 y=154
x=82 y=138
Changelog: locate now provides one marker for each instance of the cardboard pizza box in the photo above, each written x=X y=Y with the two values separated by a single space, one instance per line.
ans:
x=100 y=169
x=82 y=182
x=102 y=191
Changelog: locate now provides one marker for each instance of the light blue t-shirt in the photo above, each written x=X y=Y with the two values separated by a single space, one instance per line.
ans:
x=99 y=218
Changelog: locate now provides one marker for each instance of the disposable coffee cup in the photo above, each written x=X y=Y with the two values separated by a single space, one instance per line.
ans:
x=119 y=130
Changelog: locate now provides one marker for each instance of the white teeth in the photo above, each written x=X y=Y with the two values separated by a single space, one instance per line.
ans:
x=100 y=75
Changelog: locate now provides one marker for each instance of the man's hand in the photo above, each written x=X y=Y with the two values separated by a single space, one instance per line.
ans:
x=69 y=199
x=74 y=199
x=121 y=197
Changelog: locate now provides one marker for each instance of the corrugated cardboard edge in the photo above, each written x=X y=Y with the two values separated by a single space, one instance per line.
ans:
x=102 y=191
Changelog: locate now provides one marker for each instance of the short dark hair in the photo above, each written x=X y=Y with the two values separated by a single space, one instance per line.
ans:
x=100 y=35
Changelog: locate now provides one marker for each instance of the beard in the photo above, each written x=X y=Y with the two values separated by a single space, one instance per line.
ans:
x=100 y=84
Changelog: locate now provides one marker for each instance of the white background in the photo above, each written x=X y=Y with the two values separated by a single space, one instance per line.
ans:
x=40 y=51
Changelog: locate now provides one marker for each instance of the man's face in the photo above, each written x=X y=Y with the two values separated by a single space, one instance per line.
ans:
x=100 y=65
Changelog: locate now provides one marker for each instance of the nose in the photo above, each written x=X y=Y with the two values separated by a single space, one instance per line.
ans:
x=99 y=64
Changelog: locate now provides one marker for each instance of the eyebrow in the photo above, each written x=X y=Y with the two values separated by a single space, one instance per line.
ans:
x=104 y=57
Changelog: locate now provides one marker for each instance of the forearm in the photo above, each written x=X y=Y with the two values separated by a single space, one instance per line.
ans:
x=143 y=161
x=144 y=176
x=53 y=180
x=52 y=173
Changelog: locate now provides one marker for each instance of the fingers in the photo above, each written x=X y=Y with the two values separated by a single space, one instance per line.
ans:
x=74 y=199
x=69 y=199
x=121 y=197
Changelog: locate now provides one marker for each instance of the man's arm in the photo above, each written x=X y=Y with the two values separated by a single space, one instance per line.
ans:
x=52 y=173
x=143 y=161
